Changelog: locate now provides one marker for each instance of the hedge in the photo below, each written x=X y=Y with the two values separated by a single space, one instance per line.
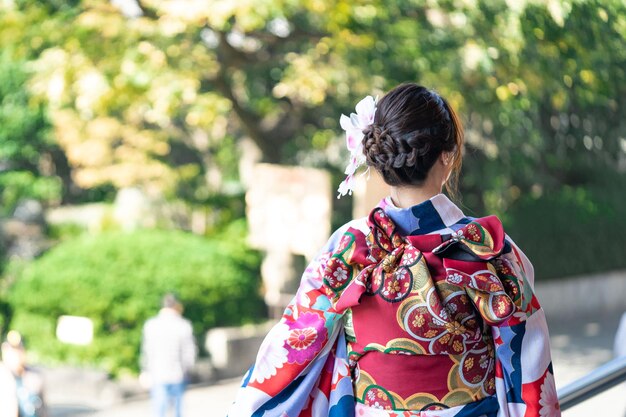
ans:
x=117 y=279
x=573 y=231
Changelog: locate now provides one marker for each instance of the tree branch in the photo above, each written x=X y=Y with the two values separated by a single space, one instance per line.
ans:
x=250 y=121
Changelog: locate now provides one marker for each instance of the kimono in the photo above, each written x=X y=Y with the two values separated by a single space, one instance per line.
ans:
x=409 y=312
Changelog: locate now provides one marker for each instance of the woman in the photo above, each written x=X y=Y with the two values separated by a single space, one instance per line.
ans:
x=416 y=310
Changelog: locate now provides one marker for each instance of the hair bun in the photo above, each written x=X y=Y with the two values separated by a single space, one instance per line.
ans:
x=412 y=126
x=383 y=152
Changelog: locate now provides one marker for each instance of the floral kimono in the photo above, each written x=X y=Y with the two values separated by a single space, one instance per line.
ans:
x=409 y=312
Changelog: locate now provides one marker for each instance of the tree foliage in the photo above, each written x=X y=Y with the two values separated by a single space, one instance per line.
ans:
x=26 y=150
x=157 y=93
x=162 y=93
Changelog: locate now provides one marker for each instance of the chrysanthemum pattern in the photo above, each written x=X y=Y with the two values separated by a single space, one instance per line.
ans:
x=307 y=335
x=444 y=331
x=272 y=353
x=549 y=399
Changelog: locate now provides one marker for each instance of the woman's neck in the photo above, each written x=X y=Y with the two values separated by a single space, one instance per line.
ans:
x=408 y=196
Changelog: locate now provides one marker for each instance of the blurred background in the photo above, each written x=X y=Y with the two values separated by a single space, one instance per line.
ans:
x=192 y=146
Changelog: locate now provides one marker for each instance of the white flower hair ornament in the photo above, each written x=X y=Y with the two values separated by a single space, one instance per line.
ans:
x=354 y=126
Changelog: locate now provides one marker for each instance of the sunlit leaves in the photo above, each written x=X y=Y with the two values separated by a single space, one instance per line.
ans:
x=185 y=81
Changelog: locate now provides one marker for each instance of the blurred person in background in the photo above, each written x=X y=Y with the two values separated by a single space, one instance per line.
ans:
x=21 y=387
x=415 y=310
x=168 y=354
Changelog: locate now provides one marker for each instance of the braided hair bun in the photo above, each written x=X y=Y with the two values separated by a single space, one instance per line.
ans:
x=411 y=128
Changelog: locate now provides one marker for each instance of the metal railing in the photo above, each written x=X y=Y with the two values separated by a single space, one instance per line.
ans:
x=595 y=382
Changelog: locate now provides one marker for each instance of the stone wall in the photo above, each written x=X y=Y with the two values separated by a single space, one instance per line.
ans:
x=599 y=294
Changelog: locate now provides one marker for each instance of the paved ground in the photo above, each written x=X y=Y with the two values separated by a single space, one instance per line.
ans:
x=579 y=345
x=199 y=401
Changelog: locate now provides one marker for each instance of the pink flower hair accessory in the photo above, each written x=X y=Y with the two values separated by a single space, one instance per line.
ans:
x=354 y=127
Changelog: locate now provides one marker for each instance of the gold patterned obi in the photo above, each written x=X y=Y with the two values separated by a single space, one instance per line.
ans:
x=419 y=310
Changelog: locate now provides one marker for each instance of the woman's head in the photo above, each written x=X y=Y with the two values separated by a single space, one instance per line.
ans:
x=413 y=127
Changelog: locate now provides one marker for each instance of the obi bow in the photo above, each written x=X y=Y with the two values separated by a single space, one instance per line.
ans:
x=471 y=259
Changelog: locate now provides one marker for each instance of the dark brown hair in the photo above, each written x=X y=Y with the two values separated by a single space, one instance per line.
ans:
x=412 y=127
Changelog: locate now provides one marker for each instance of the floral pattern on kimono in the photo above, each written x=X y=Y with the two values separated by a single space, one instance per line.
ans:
x=457 y=291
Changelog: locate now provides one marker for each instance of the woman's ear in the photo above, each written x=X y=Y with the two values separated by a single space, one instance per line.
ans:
x=446 y=158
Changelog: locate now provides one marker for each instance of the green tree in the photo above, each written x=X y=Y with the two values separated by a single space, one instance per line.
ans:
x=159 y=99
x=162 y=94
x=26 y=151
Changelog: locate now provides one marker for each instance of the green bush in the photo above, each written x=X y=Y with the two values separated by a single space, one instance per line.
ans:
x=117 y=279
x=576 y=230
